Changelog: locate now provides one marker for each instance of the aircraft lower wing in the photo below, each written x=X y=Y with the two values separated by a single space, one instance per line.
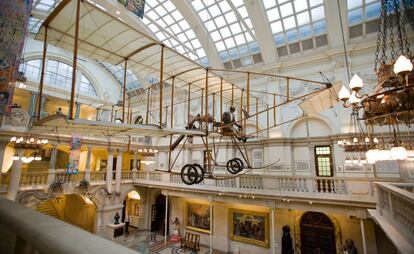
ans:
x=60 y=124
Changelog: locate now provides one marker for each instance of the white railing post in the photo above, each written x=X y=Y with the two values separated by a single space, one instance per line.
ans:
x=87 y=176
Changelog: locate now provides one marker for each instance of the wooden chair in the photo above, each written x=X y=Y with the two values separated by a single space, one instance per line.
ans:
x=191 y=241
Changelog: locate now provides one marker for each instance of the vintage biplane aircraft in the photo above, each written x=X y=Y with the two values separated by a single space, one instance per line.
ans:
x=91 y=29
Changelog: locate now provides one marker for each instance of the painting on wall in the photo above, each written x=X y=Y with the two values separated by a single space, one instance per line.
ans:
x=249 y=227
x=198 y=217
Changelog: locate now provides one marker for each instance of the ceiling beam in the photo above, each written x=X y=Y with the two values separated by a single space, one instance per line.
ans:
x=257 y=15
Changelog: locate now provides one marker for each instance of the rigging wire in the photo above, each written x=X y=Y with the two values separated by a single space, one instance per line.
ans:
x=343 y=40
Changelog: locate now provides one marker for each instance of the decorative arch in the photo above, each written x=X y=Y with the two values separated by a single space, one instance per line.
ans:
x=336 y=226
x=322 y=121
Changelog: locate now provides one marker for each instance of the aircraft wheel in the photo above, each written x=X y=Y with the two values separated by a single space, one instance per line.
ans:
x=233 y=166
x=240 y=162
x=200 y=172
x=189 y=174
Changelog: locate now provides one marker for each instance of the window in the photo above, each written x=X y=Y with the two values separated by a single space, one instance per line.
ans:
x=31 y=69
x=58 y=75
x=363 y=17
x=323 y=159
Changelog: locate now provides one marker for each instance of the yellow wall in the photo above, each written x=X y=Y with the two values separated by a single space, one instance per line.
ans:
x=79 y=213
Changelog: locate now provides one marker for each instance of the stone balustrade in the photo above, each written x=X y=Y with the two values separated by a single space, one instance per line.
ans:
x=343 y=188
x=34 y=178
x=395 y=213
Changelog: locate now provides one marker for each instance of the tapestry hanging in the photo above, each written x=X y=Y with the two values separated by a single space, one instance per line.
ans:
x=75 y=149
x=14 y=16
x=136 y=6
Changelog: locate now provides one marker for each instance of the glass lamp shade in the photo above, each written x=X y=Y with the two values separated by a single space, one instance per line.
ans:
x=344 y=94
x=356 y=83
x=27 y=159
x=403 y=65
x=398 y=153
x=353 y=99
x=15 y=158
x=383 y=155
x=371 y=155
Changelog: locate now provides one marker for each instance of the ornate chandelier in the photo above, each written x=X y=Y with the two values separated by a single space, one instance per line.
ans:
x=31 y=147
x=392 y=101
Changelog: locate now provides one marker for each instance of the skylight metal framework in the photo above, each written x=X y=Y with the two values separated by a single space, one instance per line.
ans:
x=294 y=21
x=170 y=27
x=230 y=28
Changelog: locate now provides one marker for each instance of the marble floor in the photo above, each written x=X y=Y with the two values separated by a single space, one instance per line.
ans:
x=141 y=242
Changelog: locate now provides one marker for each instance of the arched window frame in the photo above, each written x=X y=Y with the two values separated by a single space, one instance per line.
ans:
x=83 y=77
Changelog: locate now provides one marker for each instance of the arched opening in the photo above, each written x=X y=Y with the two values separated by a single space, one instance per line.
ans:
x=317 y=234
x=158 y=214
x=132 y=208
x=75 y=209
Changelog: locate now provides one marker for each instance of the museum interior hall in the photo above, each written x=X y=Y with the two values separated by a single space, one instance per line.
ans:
x=206 y=126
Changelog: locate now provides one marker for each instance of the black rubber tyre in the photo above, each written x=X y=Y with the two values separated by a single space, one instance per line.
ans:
x=200 y=172
x=233 y=166
x=241 y=164
x=189 y=174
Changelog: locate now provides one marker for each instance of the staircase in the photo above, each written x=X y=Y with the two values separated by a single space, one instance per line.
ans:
x=48 y=207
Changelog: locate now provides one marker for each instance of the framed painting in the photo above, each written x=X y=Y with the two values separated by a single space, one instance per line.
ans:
x=198 y=217
x=249 y=227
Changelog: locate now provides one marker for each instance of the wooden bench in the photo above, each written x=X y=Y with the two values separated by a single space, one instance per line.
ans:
x=191 y=241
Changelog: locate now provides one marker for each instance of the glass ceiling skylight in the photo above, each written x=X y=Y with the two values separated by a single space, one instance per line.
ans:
x=360 y=10
x=132 y=82
x=294 y=20
x=229 y=26
x=34 y=25
x=43 y=8
x=45 y=5
x=170 y=27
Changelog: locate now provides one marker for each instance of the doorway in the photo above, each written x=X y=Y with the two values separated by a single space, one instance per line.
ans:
x=317 y=234
x=158 y=215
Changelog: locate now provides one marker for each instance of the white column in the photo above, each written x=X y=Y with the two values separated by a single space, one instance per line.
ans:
x=52 y=165
x=211 y=227
x=166 y=219
x=364 y=244
x=87 y=176
x=118 y=172
x=3 y=145
x=15 y=173
x=109 y=170
x=272 y=230
x=134 y=167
